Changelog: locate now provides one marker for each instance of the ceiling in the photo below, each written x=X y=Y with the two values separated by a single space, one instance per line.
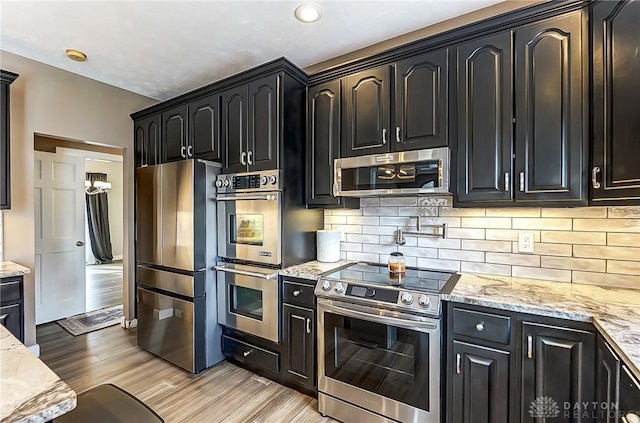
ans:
x=161 y=49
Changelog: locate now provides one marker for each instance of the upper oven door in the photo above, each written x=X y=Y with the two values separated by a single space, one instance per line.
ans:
x=249 y=227
x=411 y=172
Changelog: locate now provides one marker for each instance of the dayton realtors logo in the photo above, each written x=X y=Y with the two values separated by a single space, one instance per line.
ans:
x=544 y=407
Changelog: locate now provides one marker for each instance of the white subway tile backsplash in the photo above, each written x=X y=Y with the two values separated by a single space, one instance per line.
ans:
x=583 y=245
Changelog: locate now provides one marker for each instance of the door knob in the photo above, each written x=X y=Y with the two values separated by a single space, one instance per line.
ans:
x=79 y=243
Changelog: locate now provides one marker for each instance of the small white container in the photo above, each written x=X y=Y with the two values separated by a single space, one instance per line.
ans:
x=328 y=243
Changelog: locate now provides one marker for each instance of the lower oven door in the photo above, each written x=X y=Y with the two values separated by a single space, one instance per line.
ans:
x=248 y=300
x=383 y=361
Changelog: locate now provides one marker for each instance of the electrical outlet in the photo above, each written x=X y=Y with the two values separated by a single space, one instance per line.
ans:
x=525 y=242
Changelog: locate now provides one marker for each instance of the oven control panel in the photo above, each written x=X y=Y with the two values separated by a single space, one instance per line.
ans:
x=393 y=297
x=266 y=180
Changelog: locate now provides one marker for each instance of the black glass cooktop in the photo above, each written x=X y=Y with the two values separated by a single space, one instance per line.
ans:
x=422 y=280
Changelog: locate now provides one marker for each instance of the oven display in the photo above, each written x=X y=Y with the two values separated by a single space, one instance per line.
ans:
x=246 y=181
x=378 y=294
x=358 y=291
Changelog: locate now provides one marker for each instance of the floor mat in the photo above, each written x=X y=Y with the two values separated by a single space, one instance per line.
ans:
x=93 y=320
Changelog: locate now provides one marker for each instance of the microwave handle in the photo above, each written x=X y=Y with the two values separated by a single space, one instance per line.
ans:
x=268 y=197
x=247 y=273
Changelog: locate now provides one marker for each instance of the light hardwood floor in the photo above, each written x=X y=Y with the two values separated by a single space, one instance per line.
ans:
x=104 y=285
x=224 y=393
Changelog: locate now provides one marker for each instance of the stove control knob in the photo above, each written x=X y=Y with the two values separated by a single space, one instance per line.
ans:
x=339 y=287
x=424 y=301
x=264 y=180
x=406 y=298
x=226 y=183
x=326 y=286
x=219 y=183
x=272 y=179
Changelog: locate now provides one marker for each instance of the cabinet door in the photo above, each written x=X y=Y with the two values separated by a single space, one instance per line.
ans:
x=234 y=129
x=421 y=102
x=616 y=66
x=299 y=335
x=551 y=99
x=479 y=385
x=629 y=404
x=607 y=380
x=263 y=138
x=5 y=162
x=323 y=141
x=174 y=133
x=147 y=141
x=140 y=143
x=204 y=128
x=11 y=318
x=557 y=363
x=367 y=116
x=484 y=114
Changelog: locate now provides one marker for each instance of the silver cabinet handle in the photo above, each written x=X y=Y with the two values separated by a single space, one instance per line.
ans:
x=529 y=346
x=594 y=177
x=631 y=418
x=308 y=325
x=246 y=353
x=296 y=293
x=247 y=273
x=268 y=197
x=249 y=157
x=507 y=181
x=521 y=181
x=243 y=158
x=384 y=136
x=182 y=151
x=458 y=364
x=480 y=326
x=190 y=150
x=397 y=134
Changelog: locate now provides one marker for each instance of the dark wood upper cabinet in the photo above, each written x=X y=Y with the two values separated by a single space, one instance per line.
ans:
x=551 y=112
x=615 y=68
x=263 y=125
x=174 y=133
x=6 y=78
x=479 y=384
x=484 y=114
x=234 y=128
x=367 y=117
x=147 y=141
x=204 y=129
x=421 y=102
x=557 y=362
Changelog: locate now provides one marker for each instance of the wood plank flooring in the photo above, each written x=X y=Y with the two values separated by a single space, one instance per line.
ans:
x=224 y=393
x=104 y=285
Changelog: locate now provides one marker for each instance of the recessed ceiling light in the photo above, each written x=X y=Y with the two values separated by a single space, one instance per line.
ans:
x=76 y=55
x=308 y=13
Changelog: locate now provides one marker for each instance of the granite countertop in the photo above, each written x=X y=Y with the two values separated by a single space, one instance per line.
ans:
x=615 y=312
x=9 y=268
x=312 y=270
x=31 y=391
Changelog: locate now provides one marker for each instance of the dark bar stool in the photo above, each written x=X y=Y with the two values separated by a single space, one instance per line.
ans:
x=109 y=404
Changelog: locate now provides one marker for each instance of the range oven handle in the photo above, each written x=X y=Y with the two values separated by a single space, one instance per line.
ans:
x=373 y=316
x=247 y=273
x=268 y=197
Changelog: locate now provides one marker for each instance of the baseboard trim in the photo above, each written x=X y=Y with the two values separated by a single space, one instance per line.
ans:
x=127 y=324
x=34 y=349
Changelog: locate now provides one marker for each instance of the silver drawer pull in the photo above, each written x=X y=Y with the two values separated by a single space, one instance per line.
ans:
x=458 y=363
x=480 y=327
x=296 y=293
x=246 y=353
x=529 y=346
x=308 y=325
x=3 y=318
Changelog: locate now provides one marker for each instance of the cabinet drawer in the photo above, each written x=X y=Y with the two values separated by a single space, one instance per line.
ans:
x=297 y=293
x=11 y=318
x=250 y=354
x=10 y=290
x=479 y=325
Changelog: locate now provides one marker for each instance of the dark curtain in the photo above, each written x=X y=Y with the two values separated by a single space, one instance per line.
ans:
x=98 y=220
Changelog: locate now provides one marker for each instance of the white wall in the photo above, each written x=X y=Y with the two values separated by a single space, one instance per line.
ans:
x=49 y=101
x=115 y=196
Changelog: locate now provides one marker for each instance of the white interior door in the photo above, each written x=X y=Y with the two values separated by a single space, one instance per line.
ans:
x=59 y=231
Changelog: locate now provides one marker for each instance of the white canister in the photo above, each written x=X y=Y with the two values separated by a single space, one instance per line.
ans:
x=328 y=243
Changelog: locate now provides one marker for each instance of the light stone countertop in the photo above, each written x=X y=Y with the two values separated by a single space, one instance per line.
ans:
x=9 y=268
x=615 y=312
x=31 y=392
x=312 y=270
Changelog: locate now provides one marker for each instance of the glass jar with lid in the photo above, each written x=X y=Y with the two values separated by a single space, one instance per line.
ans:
x=397 y=265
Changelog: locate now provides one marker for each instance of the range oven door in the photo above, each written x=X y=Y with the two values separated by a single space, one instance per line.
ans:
x=383 y=361
x=249 y=227
x=248 y=300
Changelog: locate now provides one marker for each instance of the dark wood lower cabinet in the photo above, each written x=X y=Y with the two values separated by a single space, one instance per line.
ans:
x=629 y=399
x=480 y=384
x=12 y=305
x=607 y=380
x=300 y=344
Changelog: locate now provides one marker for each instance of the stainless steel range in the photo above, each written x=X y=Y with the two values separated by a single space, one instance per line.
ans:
x=379 y=341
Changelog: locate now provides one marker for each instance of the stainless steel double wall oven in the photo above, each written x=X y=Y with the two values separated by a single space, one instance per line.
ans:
x=262 y=226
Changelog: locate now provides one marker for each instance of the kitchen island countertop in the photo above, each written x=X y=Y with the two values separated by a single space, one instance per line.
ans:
x=615 y=312
x=9 y=268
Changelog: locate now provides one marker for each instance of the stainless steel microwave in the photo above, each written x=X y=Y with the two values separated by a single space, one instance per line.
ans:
x=404 y=173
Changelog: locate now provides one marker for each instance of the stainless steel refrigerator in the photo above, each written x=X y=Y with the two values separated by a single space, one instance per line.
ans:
x=175 y=252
